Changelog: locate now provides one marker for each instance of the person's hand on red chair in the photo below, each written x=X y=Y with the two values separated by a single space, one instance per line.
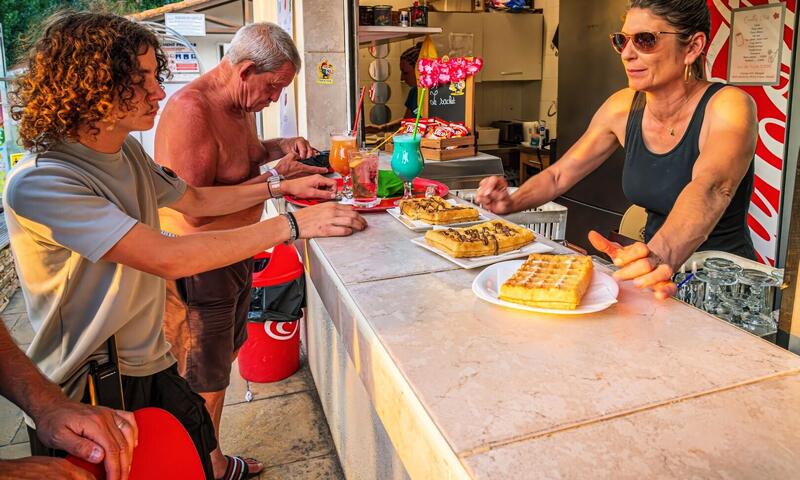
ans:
x=638 y=263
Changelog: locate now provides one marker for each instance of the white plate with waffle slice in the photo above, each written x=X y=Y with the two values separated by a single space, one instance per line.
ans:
x=418 y=225
x=601 y=293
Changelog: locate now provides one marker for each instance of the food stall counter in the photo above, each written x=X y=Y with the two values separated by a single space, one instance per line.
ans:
x=419 y=378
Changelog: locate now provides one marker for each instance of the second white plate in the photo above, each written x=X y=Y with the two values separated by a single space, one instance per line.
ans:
x=475 y=262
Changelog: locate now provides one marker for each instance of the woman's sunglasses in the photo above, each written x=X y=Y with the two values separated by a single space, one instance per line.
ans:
x=643 y=41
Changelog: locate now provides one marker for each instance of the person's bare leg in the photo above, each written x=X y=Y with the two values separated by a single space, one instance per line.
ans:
x=214 y=403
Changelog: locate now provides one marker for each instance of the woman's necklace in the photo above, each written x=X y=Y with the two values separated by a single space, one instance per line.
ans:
x=671 y=129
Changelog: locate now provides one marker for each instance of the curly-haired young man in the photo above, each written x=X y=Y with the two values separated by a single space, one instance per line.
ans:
x=82 y=214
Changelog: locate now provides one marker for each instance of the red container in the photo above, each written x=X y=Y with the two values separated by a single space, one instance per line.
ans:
x=272 y=349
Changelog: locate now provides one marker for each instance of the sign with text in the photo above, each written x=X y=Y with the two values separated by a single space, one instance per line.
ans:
x=453 y=102
x=756 y=43
x=187 y=24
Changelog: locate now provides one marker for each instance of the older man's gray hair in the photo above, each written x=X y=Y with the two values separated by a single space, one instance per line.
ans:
x=265 y=44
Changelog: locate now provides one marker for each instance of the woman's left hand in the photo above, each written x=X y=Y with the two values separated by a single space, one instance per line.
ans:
x=638 y=263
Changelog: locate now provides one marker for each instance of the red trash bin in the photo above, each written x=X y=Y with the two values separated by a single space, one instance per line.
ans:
x=272 y=349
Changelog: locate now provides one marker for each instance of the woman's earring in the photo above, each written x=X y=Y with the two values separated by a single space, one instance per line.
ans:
x=687 y=74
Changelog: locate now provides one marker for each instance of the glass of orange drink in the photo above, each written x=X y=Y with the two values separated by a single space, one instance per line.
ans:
x=341 y=144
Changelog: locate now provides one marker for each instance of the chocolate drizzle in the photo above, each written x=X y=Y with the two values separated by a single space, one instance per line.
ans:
x=484 y=235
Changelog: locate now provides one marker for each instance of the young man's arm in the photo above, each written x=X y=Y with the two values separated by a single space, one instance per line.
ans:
x=93 y=433
x=146 y=249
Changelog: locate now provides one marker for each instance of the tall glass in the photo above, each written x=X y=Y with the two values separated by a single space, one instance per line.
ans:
x=407 y=161
x=341 y=143
x=364 y=173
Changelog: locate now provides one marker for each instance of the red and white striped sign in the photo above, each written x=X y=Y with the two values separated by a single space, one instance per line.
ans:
x=773 y=104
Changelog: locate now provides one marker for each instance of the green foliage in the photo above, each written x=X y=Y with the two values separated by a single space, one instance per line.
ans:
x=20 y=18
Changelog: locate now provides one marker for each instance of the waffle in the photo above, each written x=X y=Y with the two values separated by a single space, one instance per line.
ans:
x=488 y=238
x=437 y=211
x=549 y=281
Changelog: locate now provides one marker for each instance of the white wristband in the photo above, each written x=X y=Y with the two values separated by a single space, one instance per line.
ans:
x=273 y=172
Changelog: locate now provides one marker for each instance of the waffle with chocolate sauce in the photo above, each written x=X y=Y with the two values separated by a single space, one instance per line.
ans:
x=549 y=281
x=437 y=211
x=488 y=238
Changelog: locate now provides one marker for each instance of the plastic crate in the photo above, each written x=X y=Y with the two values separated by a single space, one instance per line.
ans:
x=549 y=220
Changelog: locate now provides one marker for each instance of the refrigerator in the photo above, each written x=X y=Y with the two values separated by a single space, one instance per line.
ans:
x=589 y=71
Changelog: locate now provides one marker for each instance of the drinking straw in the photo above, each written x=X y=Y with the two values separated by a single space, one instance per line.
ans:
x=358 y=110
x=688 y=277
x=384 y=141
x=419 y=111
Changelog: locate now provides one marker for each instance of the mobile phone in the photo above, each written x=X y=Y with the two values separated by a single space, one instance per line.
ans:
x=105 y=382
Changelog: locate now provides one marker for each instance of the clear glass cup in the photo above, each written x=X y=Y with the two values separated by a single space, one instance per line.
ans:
x=690 y=290
x=341 y=143
x=714 y=282
x=407 y=161
x=723 y=265
x=364 y=175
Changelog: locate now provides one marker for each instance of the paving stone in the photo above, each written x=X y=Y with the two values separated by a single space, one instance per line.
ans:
x=322 y=468
x=22 y=331
x=10 y=319
x=276 y=430
x=16 y=305
x=10 y=452
x=10 y=418
x=301 y=381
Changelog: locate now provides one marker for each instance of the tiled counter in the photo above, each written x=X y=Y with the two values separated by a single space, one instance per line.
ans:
x=421 y=379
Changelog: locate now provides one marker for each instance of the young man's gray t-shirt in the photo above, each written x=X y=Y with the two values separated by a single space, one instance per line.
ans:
x=65 y=210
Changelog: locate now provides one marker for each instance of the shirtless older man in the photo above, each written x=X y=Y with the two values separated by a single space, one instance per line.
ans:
x=207 y=135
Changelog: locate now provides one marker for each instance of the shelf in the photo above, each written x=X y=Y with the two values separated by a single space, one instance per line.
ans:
x=368 y=34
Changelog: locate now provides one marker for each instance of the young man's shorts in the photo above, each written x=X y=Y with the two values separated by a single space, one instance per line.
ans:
x=206 y=322
x=166 y=390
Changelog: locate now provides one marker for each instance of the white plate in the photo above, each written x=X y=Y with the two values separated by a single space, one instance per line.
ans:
x=475 y=262
x=602 y=292
x=420 y=226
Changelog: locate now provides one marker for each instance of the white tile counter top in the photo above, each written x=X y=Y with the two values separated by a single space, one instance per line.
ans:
x=466 y=389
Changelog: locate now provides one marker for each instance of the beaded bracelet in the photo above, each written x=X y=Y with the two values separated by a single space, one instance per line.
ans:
x=294 y=230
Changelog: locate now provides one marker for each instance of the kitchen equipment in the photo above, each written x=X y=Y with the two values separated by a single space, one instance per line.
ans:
x=511 y=132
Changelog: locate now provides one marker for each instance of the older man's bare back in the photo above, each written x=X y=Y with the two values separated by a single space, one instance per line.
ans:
x=208 y=145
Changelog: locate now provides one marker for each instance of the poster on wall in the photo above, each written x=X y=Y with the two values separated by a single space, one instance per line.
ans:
x=182 y=62
x=772 y=102
x=756 y=45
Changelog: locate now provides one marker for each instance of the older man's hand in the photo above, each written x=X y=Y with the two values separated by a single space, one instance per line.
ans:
x=95 y=434
x=37 y=468
x=290 y=167
x=299 y=146
x=638 y=263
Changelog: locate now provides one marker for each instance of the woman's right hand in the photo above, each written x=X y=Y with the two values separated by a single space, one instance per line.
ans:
x=329 y=219
x=312 y=186
x=493 y=195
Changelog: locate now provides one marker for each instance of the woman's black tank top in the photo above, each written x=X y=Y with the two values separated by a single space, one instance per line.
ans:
x=654 y=181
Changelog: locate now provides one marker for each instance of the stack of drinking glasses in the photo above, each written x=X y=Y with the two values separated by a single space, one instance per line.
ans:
x=741 y=296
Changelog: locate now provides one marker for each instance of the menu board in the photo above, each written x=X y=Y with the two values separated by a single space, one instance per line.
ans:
x=454 y=102
x=755 y=45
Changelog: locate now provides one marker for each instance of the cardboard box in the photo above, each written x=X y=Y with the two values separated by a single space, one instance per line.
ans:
x=488 y=135
x=452 y=5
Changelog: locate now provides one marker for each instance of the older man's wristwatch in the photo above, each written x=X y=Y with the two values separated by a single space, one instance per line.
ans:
x=274 y=186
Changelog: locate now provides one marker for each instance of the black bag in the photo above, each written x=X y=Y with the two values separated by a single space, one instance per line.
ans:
x=278 y=303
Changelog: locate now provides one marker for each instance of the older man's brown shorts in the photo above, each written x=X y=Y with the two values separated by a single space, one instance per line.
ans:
x=206 y=322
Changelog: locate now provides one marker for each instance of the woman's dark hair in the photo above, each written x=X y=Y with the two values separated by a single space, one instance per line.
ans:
x=76 y=69
x=411 y=54
x=687 y=17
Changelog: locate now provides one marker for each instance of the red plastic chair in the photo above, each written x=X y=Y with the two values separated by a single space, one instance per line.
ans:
x=272 y=349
